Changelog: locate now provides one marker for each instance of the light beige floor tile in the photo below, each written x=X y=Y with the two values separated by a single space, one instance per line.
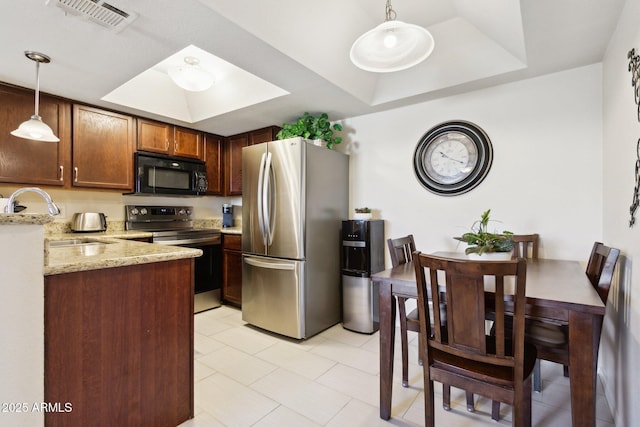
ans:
x=360 y=414
x=237 y=365
x=340 y=334
x=202 y=419
x=230 y=402
x=306 y=397
x=292 y=384
x=353 y=382
x=201 y=371
x=207 y=325
x=282 y=417
x=296 y=360
x=205 y=345
x=245 y=339
x=348 y=355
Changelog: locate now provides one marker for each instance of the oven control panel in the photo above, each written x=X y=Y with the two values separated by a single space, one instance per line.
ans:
x=158 y=213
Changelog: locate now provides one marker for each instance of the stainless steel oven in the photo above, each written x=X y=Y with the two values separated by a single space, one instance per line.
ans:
x=173 y=225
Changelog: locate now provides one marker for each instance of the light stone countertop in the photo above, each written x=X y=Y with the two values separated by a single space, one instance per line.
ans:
x=231 y=230
x=111 y=253
x=20 y=218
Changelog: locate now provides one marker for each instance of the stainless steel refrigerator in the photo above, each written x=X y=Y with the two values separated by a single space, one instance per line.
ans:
x=294 y=197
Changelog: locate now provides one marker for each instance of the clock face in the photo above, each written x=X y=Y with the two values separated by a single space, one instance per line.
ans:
x=453 y=158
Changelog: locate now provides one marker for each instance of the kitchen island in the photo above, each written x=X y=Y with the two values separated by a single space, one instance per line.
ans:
x=118 y=332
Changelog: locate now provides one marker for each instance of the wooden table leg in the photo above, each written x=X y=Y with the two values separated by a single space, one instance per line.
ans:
x=387 y=313
x=584 y=339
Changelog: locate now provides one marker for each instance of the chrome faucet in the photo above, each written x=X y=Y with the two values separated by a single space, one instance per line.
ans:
x=53 y=209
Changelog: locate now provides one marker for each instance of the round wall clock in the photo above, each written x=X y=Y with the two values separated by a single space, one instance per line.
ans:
x=453 y=158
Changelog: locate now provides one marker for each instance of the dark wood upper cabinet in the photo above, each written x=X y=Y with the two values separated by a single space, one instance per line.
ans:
x=25 y=161
x=235 y=144
x=164 y=138
x=214 y=159
x=103 y=144
x=263 y=135
x=233 y=167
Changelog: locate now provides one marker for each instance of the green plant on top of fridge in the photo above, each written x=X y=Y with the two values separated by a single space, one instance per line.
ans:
x=312 y=127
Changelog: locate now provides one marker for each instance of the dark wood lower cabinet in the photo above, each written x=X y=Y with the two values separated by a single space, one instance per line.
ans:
x=119 y=345
x=232 y=269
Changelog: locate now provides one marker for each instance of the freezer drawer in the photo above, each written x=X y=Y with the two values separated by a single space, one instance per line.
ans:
x=272 y=295
x=359 y=304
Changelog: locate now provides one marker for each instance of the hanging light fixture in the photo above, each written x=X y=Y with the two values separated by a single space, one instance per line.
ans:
x=35 y=128
x=392 y=45
x=190 y=76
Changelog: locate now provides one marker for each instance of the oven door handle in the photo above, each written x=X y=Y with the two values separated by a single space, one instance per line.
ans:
x=183 y=242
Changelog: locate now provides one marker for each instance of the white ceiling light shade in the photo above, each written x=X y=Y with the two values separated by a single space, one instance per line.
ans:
x=392 y=45
x=190 y=76
x=35 y=128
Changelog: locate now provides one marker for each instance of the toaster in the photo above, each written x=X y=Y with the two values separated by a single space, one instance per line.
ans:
x=89 y=221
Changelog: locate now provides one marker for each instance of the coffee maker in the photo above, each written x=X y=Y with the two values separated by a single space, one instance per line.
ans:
x=227 y=215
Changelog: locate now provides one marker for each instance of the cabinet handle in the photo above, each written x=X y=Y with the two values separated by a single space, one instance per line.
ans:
x=75 y=174
x=166 y=144
x=61 y=173
x=175 y=146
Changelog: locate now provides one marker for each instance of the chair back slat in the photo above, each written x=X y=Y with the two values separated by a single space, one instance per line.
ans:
x=463 y=282
x=525 y=246
x=600 y=268
x=401 y=250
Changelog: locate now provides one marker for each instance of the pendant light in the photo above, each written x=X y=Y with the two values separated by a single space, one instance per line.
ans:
x=35 y=128
x=392 y=45
x=190 y=76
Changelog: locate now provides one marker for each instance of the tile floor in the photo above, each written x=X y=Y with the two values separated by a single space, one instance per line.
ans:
x=247 y=377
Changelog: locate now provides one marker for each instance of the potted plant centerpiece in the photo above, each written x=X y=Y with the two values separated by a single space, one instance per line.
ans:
x=316 y=128
x=482 y=241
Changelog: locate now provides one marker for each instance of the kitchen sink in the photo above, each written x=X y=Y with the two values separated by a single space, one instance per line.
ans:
x=75 y=242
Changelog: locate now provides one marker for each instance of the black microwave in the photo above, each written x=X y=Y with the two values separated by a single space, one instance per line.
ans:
x=164 y=175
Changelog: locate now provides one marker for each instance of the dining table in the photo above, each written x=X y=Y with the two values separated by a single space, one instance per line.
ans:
x=556 y=290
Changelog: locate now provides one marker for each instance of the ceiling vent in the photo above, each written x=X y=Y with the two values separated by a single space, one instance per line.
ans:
x=97 y=11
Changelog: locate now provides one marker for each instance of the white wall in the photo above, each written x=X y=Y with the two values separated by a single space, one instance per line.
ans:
x=619 y=348
x=546 y=175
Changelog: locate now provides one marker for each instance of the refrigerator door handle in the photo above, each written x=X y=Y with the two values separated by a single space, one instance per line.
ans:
x=266 y=200
x=260 y=198
x=271 y=265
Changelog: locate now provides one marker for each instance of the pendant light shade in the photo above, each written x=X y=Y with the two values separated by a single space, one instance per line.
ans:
x=391 y=46
x=190 y=76
x=35 y=128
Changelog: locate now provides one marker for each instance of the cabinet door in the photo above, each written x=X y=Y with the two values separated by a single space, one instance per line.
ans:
x=26 y=161
x=153 y=136
x=213 y=157
x=188 y=143
x=102 y=149
x=267 y=134
x=232 y=269
x=233 y=169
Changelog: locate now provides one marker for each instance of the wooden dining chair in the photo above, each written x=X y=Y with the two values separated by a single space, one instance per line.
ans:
x=458 y=351
x=551 y=340
x=525 y=246
x=401 y=251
